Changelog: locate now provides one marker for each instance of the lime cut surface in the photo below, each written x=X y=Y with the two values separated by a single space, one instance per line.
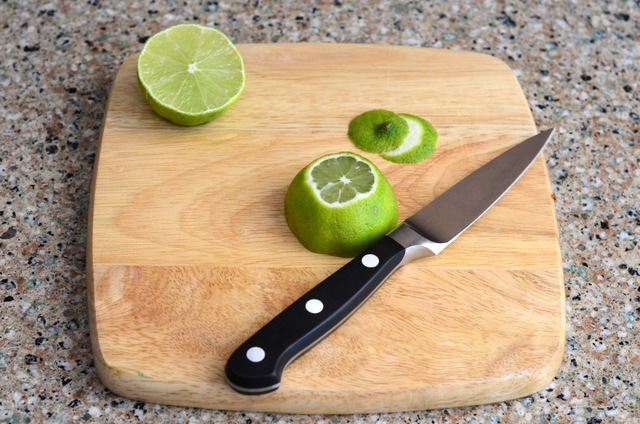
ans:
x=342 y=179
x=190 y=74
x=377 y=131
x=419 y=143
x=340 y=204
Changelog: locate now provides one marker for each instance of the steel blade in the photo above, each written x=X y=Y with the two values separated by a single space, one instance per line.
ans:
x=446 y=217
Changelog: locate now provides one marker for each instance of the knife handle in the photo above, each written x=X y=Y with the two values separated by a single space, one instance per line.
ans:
x=256 y=366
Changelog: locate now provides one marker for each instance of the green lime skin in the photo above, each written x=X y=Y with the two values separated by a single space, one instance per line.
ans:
x=344 y=231
x=184 y=118
x=428 y=138
x=377 y=131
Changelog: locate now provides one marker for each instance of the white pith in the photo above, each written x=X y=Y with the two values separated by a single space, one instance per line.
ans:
x=358 y=196
x=411 y=141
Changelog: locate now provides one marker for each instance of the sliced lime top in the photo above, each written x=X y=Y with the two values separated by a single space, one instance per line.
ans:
x=341 y=178
x=378 y=131
x=412 y=140
x=419 y=143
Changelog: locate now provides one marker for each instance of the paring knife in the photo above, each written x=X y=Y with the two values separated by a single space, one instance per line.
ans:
x=256 y=366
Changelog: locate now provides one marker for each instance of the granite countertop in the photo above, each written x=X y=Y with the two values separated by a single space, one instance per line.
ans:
x=576 y=61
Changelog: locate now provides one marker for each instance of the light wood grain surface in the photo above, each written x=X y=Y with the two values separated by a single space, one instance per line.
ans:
x=189 y=252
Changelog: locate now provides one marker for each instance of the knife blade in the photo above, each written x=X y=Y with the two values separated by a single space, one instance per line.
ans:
x=257 y=365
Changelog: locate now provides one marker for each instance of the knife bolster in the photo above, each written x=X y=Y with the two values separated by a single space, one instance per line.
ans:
x=416 y=245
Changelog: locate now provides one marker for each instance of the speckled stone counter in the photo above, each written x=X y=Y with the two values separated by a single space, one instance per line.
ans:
x=576 y=61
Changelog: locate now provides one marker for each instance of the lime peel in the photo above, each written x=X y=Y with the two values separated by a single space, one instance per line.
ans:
x=377 y=131
x=397 y=137
x=413 y=139
x=418 y=145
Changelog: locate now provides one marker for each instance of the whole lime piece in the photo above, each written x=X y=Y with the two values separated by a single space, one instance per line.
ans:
x=190 y=74
x=419 y=143
x=377 y=131
x=340 y=204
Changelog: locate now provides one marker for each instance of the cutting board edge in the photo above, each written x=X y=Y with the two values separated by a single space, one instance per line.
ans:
x=135 y=386
x=129 y=382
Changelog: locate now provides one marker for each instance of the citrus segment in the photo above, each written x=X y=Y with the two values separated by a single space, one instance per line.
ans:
x=419 y=143
x=340 y=204
x=377 y=131
x=190 y=74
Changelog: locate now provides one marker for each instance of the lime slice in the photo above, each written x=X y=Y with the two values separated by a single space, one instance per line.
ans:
x=190 y=74
x=378 y=131
x=419 y=143
x=340 y=204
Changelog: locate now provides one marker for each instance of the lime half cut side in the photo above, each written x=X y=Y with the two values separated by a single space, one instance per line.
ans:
x=419 y=143
x=190 y=74
x=341 y=179
x=340 y=204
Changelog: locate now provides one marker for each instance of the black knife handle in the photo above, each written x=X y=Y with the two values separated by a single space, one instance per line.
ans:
x=256 y=366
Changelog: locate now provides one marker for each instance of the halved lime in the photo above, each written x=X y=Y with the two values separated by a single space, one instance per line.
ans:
x=377 y=131
x=418 y=144
x=190 y=74
x=340 y=204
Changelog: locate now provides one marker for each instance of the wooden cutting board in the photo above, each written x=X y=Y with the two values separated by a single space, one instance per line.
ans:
x=189 y=252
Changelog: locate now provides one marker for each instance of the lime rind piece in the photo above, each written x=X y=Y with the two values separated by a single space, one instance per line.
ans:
x=340 y=179
x=418 y=145
x=190 y=73
x=377 y=131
